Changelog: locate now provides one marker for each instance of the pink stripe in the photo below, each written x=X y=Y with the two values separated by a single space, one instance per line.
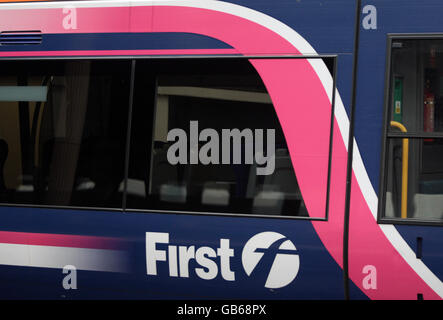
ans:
x=296 y=99
x=89 y=20
x=331 y=233
x=60 y=240
x=369 y=245
x=117 y=52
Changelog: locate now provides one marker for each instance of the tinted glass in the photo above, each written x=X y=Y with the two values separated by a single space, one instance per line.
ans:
x=414 y=170
x=63 y=132
x=415 y=187
x=417 y=86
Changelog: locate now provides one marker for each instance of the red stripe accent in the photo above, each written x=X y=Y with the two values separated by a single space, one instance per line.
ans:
x=60 y=240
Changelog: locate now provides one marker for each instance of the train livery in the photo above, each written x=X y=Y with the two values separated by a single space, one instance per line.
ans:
x=201 y=149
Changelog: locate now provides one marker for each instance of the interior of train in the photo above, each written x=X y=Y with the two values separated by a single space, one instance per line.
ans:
x=414 y=165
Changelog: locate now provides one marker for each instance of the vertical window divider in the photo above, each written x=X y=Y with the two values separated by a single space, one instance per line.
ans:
x=384 y=136
x=128 y=135
x=331 y=138
x=151 y=154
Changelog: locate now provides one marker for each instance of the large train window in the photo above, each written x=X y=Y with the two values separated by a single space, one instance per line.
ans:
x=413 y=178
x=215 y=143
x=63 y=132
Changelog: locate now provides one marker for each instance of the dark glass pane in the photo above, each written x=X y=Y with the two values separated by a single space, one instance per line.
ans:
x=63 y=132
x=414 y=187
x=416 y=95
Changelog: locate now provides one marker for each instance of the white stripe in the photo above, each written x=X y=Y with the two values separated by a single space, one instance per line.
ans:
x=406 y=252
x=14 y=254
x=59 y=257
x=320 y=68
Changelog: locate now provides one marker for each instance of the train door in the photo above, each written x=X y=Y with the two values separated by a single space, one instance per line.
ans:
x=399 y=120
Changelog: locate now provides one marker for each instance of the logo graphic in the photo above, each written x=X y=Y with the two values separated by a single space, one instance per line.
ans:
x=268 y=258
x=274 y=249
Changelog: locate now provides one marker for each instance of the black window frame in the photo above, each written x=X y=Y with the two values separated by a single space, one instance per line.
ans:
x=133 y=59
x=387 y=135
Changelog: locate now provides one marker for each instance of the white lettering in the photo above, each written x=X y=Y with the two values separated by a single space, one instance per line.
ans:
x=370 y=20
x=240 y=142
x=189 y=310
x=180 y=258
x=152 y=254
x=70 y=20
x=370 y=281
x=181 y=146
x=224 y=252
x=193 y=143
x=172 y=256
x=200 y=257
x=185 y=255
x=236 y=135
x=70 y=281
x=260 y=158
x=210 y=147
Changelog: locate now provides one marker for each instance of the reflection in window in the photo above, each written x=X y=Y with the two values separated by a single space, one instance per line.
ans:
x=61 y=132
x=414 y=170
x=215 y=145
